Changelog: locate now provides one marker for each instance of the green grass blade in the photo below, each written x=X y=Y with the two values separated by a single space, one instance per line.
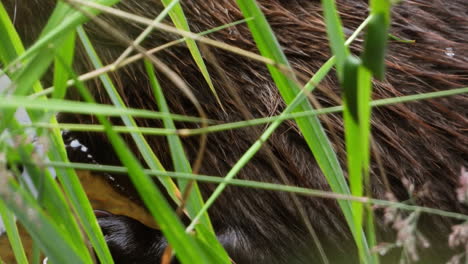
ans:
x=357 y=83
x=10 y=41
x=36 y=253
x=348 y=67
x=13 y=234
x=268 y=186
x=54 y=201
x=68 y=177
x=64 y=56
x=352 y=138
x=373 y=59
x=335 y=35
x=375 y=44
x=181 y=164
x=57 y=105
x=81 y=204
x=186 y=247
x=179 y=159
x=148 y=155
x=50 y=194
x=40 y=227
x=63 y=20
x=54 y=243
x=178 y=18
x=364 y=94
x=146 y=32
x=310 y=127
x=214 y=128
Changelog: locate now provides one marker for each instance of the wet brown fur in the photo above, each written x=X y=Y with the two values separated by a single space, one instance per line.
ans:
x=425 y=142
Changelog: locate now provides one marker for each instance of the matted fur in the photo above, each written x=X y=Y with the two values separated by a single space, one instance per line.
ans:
x=424 y=142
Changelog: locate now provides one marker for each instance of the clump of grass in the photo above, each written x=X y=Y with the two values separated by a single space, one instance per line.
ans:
x=58 y=215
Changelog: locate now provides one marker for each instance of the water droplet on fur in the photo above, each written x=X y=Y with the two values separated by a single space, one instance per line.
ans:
x=75 y=143
x=449 y=52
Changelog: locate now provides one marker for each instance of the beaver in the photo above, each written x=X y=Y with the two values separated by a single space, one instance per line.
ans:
x=422 y=144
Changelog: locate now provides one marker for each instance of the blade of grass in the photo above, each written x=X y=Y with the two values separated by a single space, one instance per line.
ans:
x=181 y=164
x=186 y=247
x=49 y=196
x=63 y=20
x=357 y=90
x=68 y=177
x=55 y=243
x=36 y=253
x=65 y=54
x=232 y=125
x=57 y=105
x=145 y=33
x=9 y=39
x=310 y=127
x=335 y=35
x=13 y=234
x=80 y=203
x=373 y=65
x=178 y=18
x=348 y=69
x=352 y=139
x=321 y=73
x=177 y=152
x=150 y=158
x=55 y=202
x=52 y=196
x=375 y=44
x=267 y=186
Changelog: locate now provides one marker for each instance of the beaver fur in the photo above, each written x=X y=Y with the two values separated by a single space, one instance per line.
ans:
x=422 y=143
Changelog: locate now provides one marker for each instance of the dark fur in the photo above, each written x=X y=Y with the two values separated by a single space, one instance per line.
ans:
x=424 y=142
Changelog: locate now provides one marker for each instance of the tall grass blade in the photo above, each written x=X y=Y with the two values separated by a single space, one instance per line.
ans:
x=9 y=39
x=178 y=18
x=311 y=128
x=181 y=164
x=148 y=155
x=335 y=35
x=50 y=195
x=64 y=56
x=186 y=247
x=63 y=20
x=375 y=44
x=56 y=244
x=348 y=70
x=13 y=234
